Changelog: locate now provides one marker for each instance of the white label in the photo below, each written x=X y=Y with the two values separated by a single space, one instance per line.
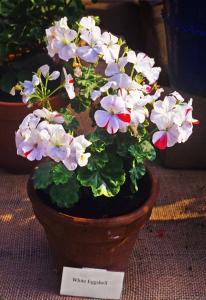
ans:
x=95 y=283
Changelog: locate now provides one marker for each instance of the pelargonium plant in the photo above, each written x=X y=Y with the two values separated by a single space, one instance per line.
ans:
x=124 y=101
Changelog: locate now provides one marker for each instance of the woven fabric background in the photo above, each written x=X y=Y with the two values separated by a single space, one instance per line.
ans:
x=168 y=262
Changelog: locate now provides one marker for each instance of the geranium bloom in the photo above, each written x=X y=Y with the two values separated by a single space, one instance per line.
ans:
x=69 y=84
x=77 y=155
x=58 y=144
x=44 y=70
x=115 y=68
x=162 y=113
x=144 y=64
x=51 y=117
x=168 y=138
x=116 y=117
x=34 y=147
x=91 y=52
x=59 y=39
x=110 y=47
x=29 y=88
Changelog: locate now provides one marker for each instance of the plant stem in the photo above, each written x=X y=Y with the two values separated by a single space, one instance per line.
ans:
x=58 y=88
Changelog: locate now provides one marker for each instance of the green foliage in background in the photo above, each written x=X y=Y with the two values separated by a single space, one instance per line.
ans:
x=22 y=30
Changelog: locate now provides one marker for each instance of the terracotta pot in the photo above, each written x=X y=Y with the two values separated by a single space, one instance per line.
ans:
x=11 y=116
x=95 y=243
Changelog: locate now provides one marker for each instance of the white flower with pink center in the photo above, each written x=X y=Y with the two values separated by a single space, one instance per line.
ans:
x=115 y=116
x=69 y=84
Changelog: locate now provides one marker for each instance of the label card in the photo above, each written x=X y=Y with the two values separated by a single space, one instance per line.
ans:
x=95 y=283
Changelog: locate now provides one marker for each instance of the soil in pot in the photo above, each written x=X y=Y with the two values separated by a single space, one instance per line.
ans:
x=103 y=238
x=104 y=207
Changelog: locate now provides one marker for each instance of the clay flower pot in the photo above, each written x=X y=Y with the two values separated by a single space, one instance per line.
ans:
x=11 y=116
x=95 y=243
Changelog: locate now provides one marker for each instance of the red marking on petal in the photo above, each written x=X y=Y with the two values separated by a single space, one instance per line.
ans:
x=124 y=117
x=71 y=81
x=106 y=125
x=188 y=110
x=57 y=115
x=27 y=153
x=162 y=142
x=196 y=122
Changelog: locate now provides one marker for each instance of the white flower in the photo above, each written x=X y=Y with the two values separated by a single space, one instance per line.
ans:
x=82 y=158
x=122 y=80
x=116 y=117
x=51 y=117
x=115 y=68
x=29 y=88
x=144 y=64
x=81 y=141
x=87 y=23
x=69 y=84
x=44 y=70
x=30 y=122
x=110 y=47
x=163 y=139
x=162 y=113
x=60 y=38
x=91 y=52
x=34 y=147
x=151 y=98
x=58 y=144
x=77 y=155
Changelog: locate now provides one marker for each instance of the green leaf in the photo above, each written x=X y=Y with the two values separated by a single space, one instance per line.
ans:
x=60 y=174
x=143 y=151
x=70 y=122
x=104 y=181
x=42 y=177
x=135 y=174
x=97 y=161
x=99 y=139
x=65 y=195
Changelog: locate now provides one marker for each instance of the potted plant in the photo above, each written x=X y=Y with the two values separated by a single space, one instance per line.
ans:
x=22 y=51
x=92 y=193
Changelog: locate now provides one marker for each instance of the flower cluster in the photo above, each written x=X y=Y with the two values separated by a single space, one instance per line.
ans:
x=41 y=134
x=122 y=100
x=173 y=118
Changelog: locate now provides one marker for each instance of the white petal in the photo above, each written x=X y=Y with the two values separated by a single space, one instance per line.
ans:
x=112 y=69
x=114 y=104
x=44 y=70
x=101 y=117
x=113 y=125
x=88 y=54
x=95 y=95
x=54 y=75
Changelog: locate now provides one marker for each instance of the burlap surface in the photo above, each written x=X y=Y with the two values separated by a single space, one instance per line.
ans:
x=168 y=262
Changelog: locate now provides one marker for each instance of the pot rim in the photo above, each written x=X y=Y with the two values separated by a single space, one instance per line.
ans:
x=117 y=220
